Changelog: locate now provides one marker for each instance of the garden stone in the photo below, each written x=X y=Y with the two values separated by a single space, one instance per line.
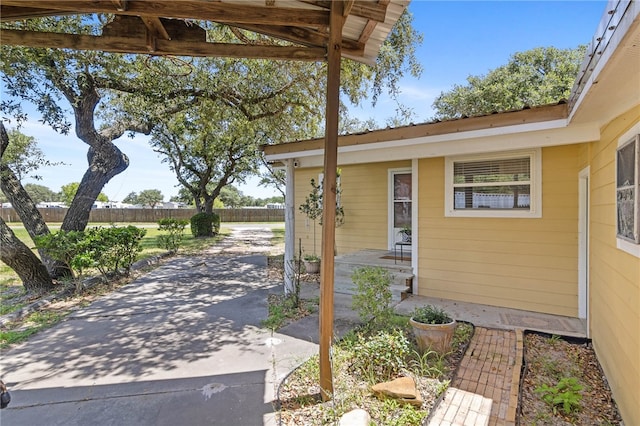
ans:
x=403 y=387
x=357 y=417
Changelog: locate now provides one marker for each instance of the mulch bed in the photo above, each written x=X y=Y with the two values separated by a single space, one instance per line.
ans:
x=549 y=359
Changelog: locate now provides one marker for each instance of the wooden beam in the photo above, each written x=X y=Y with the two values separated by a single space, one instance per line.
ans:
x=362 y=9
x=120 y=5
x=155 y=27
x=305 y=37
x=17 y=13
x=334 y=56
x=189 y=9
x=163 y=47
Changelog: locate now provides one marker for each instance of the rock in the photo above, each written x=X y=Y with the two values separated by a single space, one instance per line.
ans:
x=403 y=389
x=357 y=417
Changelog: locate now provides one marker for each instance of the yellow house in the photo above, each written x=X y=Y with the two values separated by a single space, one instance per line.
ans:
x=536 y=209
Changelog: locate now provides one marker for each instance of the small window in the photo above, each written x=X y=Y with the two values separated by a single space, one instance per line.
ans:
x=627 y=188
x=501 y=185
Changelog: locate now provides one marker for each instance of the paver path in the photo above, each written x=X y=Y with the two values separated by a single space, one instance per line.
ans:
x=181 y=345
x=485 y=390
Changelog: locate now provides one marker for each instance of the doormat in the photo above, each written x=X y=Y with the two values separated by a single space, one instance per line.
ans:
x=405 y=258
x=520 y=320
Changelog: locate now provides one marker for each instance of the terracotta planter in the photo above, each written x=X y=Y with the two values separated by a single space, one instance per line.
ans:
x=435 y=337
x=311 y=266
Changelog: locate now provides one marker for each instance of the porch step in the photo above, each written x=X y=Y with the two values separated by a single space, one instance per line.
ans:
x=402 y=274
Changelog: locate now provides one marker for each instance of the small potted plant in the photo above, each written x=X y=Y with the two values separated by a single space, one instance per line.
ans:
x=311 y=263
x=405 y=234
x=433 y=329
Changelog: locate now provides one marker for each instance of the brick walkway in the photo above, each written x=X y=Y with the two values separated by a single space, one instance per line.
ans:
x=485 y=389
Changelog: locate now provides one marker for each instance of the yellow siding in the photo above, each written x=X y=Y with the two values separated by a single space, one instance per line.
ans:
x=614 y=279
x=529 y=264
x=365 y=201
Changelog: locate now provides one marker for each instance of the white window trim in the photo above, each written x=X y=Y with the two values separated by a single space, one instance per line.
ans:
x=536 y=185
x=622 y=244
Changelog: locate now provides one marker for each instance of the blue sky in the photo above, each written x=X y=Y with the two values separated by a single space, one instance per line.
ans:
x=460 y=39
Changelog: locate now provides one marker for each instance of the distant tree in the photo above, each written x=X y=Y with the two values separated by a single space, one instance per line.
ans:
x=40 y=193
x=131 y=198
x=231 y=196
x=69 y=191
x=535 y=77
x=23 y=155
x=150 y=197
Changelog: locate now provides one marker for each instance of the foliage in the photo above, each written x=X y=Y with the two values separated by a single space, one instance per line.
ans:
x=538 y=76
x=175 y=229
x=311 y=258
x=382 y=356
x=150 y=197
x=68 y=193
x=564 y=395
x=107 y=249
x=67 y=247
x=23 y=155
x=430 y=314
x=372 y=299
x=40 y=193
x=283 y=308
x=205 y=224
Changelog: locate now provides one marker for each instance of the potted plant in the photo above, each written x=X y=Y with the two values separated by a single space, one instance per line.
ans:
x=405 y=234
x=433 y=329
x=311 y=263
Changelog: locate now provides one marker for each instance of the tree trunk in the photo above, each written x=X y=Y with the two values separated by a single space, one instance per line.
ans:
x=21 y=259
x=104 y=164
x=26 y=209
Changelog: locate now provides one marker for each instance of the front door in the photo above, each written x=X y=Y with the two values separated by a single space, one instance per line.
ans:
x=399 y=205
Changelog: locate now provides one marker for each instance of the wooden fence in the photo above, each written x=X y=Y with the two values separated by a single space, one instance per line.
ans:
x=56 y=215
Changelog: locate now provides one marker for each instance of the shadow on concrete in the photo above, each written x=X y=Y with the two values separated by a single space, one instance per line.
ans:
x=229 y=399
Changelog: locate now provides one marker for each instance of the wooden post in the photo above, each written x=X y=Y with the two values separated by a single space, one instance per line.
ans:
x=334 y=54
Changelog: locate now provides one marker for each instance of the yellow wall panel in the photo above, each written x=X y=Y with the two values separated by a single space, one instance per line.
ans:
x=513 y=262
x=614 y=278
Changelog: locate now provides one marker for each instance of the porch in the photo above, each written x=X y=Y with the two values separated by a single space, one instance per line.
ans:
x=398 y=263
x=478 y=314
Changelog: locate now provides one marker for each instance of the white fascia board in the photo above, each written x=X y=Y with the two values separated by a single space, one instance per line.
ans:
x=449 y=137
x=427 y=147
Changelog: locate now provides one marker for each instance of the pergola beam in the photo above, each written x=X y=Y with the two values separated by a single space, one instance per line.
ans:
x=162 y=47
x=226 y=13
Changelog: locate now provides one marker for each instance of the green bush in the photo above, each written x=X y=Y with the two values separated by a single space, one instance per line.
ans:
x=107 y=249
x=205 y=224
x=382 y=356
x=373 y=295
x=565 y=395
x=115 y=248
x=175 y=228
x=66 y=247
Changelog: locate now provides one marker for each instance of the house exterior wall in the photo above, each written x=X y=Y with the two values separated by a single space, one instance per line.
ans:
x=614 y=278
x=365 y=202
x=521 y=263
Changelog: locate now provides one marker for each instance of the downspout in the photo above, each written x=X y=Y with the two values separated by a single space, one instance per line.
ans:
x=289 y=229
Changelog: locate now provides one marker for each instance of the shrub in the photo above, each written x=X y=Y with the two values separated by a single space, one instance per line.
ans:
x=65 y=247
x=205 y=224
x=373 y=295
x=175 y=228
x=382 y=356
x=107 y=249
x=115 y=248
x=430 y=314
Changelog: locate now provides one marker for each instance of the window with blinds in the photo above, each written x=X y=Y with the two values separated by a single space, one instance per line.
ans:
x=627 y=188
x=501 y=183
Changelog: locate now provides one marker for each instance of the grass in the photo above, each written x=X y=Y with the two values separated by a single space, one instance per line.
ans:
x=31 y=324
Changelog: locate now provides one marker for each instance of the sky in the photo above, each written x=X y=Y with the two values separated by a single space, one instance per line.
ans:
x=461 y=38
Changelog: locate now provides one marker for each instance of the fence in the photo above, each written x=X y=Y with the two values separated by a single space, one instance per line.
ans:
x=56 y=215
